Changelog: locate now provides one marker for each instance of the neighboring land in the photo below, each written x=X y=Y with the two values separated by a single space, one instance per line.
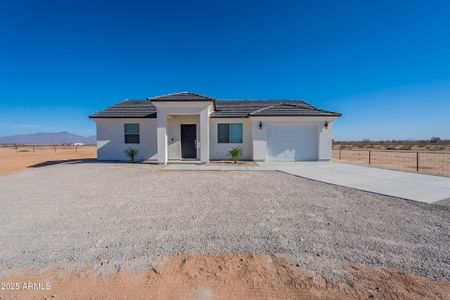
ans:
x=419 y=145
x=47 y=138
x=429 y=157
x=16 y=158
x=114 y=230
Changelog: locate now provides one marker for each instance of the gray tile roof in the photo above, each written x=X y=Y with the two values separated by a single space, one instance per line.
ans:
x=182 y=96
x=223 y=108
x=128 y=109
x=259 y=108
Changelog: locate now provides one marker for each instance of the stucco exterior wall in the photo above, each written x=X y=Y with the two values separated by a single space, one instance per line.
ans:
x=259 y=140
x=325 y=141
x=111 y=142
x=111 y=145
x=220 y=151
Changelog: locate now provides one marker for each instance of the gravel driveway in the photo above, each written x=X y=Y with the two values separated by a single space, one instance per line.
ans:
x=113 y=216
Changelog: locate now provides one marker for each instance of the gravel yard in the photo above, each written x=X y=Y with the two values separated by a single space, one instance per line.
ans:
x=115 y=216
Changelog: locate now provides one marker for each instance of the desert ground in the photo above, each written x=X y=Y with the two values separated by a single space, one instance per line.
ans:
x=421 y=145
x=14 y=159
x=413 y=156
x=85 y=229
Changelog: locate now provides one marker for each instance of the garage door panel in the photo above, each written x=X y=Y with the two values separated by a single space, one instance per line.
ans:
x=291 y=142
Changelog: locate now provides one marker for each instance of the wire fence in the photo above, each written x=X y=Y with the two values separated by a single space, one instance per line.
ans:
x=433 y=163
x=46 y=148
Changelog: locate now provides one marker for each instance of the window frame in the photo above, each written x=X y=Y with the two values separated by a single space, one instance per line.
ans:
x=131 y=134
x=230 y=135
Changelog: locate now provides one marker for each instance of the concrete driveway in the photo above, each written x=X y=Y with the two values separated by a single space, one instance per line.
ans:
x=412 y=186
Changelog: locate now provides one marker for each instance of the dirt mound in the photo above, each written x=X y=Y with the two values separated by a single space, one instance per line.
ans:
x=224 y=277
x=392 y=284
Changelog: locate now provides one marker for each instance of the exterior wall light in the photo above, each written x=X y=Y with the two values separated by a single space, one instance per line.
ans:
x=260 y=125
x=326 y=124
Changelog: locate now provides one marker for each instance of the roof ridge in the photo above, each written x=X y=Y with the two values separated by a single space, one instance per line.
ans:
x=127 y=100
x=181 y=93
x=300 y=100
x=271 y=106
x=258 y=110
x=270 y=100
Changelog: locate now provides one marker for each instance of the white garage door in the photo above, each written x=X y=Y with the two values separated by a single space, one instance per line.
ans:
x=291 y=142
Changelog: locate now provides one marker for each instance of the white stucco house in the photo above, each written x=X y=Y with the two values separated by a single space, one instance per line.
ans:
x=188 y=126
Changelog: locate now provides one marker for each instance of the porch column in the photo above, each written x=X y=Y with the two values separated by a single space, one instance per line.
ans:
x=161 y=121
x=204 y=135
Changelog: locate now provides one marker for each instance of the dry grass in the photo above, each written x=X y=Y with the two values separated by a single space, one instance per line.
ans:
x=421 y=146
x=13 y=160
x=433 y=163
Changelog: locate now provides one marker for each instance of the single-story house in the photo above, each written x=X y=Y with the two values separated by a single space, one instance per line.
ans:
x=188 y=126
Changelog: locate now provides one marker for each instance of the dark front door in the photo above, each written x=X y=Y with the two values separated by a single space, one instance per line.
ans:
x=188 y=141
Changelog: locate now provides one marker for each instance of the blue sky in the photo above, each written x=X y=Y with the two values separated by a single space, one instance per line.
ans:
x=384 y=64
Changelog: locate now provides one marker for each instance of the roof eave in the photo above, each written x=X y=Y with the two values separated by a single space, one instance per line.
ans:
x=231 y=117
x=178 y=100
x=298 y=115
x=123 y=117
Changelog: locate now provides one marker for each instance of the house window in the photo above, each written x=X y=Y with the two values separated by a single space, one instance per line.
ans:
x=229 y=133
x=131 y=133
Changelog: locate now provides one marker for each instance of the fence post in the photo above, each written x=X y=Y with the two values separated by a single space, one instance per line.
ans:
x=16 y=147
x=370 y=156
x=76 y=148
x=33 y=148
x=340 y=153
x=417 y=161
x=54 y=147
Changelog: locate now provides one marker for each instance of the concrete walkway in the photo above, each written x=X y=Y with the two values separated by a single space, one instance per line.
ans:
x=203 y=167
x=412 y=186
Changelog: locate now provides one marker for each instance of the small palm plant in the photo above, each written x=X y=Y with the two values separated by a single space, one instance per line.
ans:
x=131 y=153
x=236 y=153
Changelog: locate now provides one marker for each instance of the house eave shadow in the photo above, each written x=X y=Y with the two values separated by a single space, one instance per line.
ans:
x=64 y=161
x=86 y=161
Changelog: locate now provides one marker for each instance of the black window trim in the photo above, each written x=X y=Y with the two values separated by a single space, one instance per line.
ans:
x=125 y=134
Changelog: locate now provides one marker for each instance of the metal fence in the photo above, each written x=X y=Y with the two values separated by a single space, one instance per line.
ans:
x=433 y=163
x=46 y=148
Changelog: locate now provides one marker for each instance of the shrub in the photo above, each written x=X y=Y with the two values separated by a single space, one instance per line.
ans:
x=131 y=153
x=236 y=153
x=435 y=139
x=405 y=147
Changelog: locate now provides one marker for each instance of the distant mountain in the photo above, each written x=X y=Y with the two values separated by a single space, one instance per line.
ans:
x=47 y=138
